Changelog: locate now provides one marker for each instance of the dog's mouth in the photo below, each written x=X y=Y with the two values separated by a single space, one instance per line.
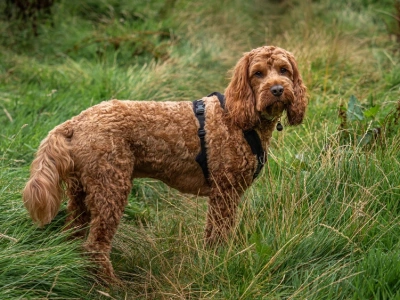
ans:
x=274 y=109
x=268 y=102
x=279 y=101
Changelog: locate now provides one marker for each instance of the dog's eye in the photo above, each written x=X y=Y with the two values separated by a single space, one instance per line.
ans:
x=258 y=74
x=283 y=70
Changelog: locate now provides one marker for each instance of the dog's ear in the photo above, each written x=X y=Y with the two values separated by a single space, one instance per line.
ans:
x=240 y=99
x=296 y=110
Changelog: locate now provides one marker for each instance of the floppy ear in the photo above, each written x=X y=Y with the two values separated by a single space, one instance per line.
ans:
x=296 y=110
x=240 y=100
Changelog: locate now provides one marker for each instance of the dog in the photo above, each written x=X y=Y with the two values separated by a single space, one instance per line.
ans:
x=97 y=154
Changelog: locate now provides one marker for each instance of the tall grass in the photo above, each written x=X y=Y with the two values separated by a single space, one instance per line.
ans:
x=321 y=222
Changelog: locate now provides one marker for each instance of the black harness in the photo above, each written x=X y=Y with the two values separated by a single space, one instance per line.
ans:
x=251 y=137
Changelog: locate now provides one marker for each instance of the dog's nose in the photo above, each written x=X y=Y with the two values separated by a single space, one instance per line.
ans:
x=277 y=90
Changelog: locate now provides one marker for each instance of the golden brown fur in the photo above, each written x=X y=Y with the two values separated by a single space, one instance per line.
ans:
x=98 y=153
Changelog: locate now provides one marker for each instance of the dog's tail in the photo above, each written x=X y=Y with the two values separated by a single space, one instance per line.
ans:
x=43 y=192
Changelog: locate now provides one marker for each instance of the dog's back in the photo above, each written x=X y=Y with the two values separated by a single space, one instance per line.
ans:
x=160 y=138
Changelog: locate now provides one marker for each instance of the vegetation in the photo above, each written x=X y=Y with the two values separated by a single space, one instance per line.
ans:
x=321 y=222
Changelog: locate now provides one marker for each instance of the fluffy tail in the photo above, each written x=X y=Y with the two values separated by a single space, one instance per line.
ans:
x=43 y=192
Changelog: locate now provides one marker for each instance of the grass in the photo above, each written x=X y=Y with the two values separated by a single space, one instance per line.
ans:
x=321 y=222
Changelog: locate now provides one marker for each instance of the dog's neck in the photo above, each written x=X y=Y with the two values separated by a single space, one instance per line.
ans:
x=265 y=128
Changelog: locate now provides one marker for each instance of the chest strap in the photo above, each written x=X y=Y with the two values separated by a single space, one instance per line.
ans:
x=251 y=137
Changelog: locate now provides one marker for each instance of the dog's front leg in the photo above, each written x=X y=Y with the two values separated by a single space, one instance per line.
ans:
x=221 y=215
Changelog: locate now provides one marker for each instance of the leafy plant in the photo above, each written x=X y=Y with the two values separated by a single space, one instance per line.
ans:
x=367 y=124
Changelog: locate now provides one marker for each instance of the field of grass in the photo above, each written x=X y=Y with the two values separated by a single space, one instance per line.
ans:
x=321 y=222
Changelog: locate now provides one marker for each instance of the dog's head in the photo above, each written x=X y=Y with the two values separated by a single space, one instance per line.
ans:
x=265 y=82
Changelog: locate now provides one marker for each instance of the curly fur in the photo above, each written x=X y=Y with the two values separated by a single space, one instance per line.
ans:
x=98 y=153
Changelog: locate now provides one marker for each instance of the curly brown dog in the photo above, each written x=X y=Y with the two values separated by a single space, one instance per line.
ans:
x=98 y=153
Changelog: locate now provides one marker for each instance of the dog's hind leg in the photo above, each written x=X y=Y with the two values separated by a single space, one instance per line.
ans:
x=107 y=191
x=78 y=214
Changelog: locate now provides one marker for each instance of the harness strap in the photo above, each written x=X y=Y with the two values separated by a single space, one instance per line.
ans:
x=251 y=137
x=201 y=158
x=254 y=141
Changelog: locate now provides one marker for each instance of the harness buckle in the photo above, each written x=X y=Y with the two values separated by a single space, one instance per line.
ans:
x=201 y=132
x=200 y=108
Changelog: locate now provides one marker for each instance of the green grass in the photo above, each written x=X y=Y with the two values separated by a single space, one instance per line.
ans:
x=321 y=222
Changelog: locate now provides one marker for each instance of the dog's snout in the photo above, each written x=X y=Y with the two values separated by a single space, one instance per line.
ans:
x=277 y=90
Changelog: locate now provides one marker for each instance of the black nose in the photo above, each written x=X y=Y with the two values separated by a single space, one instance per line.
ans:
x=277 y=90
